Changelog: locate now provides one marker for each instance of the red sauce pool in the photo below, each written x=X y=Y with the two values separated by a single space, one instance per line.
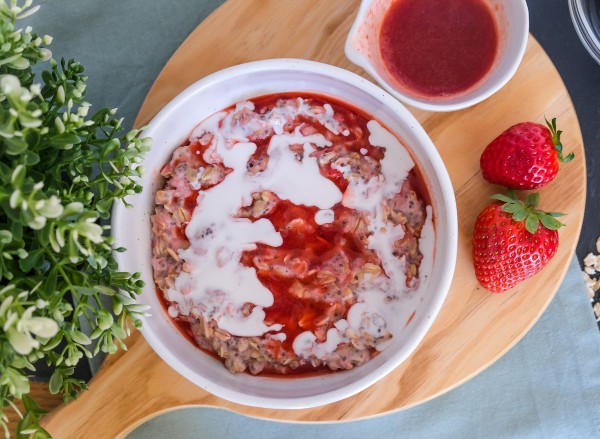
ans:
x=438 y=48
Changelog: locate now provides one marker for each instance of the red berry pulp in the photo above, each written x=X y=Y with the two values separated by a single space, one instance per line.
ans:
x=438 y=48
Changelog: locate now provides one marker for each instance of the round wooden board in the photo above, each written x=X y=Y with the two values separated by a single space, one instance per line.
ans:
x=474 y=327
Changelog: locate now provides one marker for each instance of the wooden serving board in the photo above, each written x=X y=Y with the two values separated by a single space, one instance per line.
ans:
x=474 y=327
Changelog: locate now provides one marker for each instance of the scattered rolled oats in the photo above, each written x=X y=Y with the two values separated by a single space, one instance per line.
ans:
x=590 y=260
x=589 y=283
x=591 y=277
x=588 y=269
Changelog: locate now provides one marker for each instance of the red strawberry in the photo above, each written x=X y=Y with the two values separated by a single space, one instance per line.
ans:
x=525 y=156
x=510 y=244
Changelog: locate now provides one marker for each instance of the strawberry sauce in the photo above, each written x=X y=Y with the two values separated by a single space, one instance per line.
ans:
x=438 y=48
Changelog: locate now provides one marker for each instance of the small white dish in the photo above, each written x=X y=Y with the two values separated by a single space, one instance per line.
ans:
x=362 y=49
x=131 y=228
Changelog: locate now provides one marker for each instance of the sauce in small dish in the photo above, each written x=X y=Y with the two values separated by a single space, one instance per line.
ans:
x=439 y=55
x=438 y=48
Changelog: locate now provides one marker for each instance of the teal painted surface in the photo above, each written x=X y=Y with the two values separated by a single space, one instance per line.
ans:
x=547 y=386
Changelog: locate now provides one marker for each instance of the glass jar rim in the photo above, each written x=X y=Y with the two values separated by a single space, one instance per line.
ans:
x=587 y=29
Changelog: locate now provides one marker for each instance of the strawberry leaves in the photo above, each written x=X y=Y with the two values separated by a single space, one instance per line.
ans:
x=528 y=211
x=557 y=143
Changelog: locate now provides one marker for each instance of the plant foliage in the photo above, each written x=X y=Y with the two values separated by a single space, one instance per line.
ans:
x=61 y=169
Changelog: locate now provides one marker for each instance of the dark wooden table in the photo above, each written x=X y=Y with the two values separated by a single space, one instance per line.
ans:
x=551 y=24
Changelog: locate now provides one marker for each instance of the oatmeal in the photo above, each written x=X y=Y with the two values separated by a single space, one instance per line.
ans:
x=286 y=234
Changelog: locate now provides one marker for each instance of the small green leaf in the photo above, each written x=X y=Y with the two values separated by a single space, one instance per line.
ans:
x=104 y=204
x=44 y=236
x=118 y=332
x=31 y=158
x=5 y=172
x=105 y=290
x=549 y=221
x=531 y=223
x=5 y=237
x=18 y=176
x=56 y=382
x=47 y=77
x=80 y=337
x=17 y=230
x=520 y=215
x=512 y=208
x=501 y=197
x=35 y=259
x=65 y=139
x=49 y=287
x=86 y=291
x=72 y=250
x=53 y=342
x=117 y=306
x=15 y=145
x=532 y=200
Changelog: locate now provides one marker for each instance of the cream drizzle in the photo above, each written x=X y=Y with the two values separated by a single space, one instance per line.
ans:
x=219 y=285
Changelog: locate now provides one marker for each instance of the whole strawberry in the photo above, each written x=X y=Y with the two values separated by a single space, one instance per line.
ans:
x=525 y=156
x=512 y=241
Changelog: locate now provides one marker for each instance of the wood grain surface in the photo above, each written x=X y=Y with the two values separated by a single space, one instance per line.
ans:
x=474 y=327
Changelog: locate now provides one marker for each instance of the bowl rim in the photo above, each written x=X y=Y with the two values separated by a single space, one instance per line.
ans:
x=438 y=106
x=448 y=253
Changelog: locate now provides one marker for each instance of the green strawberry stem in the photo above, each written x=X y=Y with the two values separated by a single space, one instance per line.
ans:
x=556 y=140
x=527 y=211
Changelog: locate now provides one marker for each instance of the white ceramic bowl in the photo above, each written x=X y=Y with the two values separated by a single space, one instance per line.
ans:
x=362 y=48
x=131 y=227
